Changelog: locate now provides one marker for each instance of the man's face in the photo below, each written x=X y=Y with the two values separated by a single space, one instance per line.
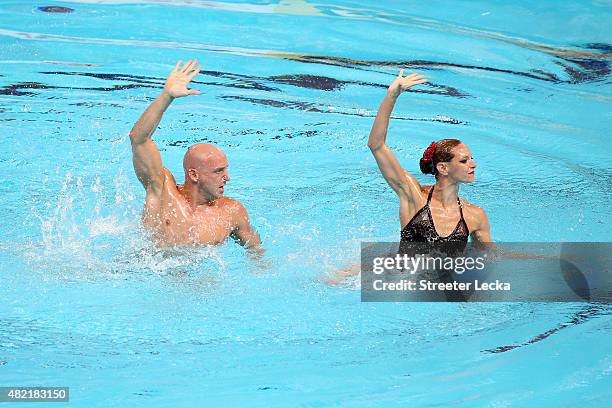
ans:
x=213 y=174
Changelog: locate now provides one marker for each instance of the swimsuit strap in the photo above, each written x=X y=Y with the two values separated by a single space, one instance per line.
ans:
x=460 y=207
x=429 y=196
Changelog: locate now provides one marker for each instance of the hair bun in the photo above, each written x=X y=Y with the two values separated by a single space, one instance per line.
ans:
x=426 y=162
x=437 y=152
x=426 y=166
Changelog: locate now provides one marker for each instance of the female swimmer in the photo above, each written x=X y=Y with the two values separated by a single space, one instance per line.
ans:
x=431 y=214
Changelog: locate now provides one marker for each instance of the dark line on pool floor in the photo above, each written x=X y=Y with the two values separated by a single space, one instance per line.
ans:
x=316 y=82
x=16 y=89
x=311 y=107
x=55 y=9
x=578 y=67
x=594 y=66
x=578 y=318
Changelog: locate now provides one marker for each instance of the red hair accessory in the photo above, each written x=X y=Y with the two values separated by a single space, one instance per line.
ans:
x=429 y=152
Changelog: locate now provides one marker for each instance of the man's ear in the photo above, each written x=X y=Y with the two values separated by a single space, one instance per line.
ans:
x=193 y=175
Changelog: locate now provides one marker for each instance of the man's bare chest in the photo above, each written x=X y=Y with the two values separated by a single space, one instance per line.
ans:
x=176 y=223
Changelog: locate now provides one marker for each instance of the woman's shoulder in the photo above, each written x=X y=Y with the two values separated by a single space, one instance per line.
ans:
x=474 y=216
x=425 y=189
x=472 y=209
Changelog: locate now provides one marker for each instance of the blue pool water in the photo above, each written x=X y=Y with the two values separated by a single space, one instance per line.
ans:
x=289 y=90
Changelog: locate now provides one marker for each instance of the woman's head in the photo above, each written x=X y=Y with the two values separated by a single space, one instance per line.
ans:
x=449 y=158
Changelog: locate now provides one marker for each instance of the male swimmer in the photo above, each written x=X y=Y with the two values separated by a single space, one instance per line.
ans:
x=196 y=212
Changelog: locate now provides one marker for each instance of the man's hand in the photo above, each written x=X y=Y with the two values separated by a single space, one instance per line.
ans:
x=179 y=78
x=402 y=83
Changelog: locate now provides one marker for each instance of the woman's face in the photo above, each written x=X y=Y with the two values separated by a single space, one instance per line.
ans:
x=461 y=167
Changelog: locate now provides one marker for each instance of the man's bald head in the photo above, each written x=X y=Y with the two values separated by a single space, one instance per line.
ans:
x=206 y=169
x=202 y=154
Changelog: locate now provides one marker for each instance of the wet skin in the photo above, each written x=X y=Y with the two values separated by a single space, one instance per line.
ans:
x=195 y=212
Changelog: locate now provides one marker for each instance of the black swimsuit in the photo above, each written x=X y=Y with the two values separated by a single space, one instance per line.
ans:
x=421 y=227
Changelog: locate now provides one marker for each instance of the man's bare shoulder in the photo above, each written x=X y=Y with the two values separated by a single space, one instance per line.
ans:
x=234 y=209
x=168 y=178
x=230 y=204
x=157 y=193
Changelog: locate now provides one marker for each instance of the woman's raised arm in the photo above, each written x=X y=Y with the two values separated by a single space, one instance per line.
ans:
x=402 y=182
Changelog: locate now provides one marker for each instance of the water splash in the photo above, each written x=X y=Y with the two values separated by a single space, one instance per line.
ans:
x=92 y=232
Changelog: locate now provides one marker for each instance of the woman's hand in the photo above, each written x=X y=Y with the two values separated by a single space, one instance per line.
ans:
x=402 y=83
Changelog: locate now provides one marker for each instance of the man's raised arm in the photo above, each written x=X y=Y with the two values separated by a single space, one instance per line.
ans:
x=145 y=154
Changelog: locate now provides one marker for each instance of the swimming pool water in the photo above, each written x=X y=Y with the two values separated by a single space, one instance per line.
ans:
x=289 y=91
